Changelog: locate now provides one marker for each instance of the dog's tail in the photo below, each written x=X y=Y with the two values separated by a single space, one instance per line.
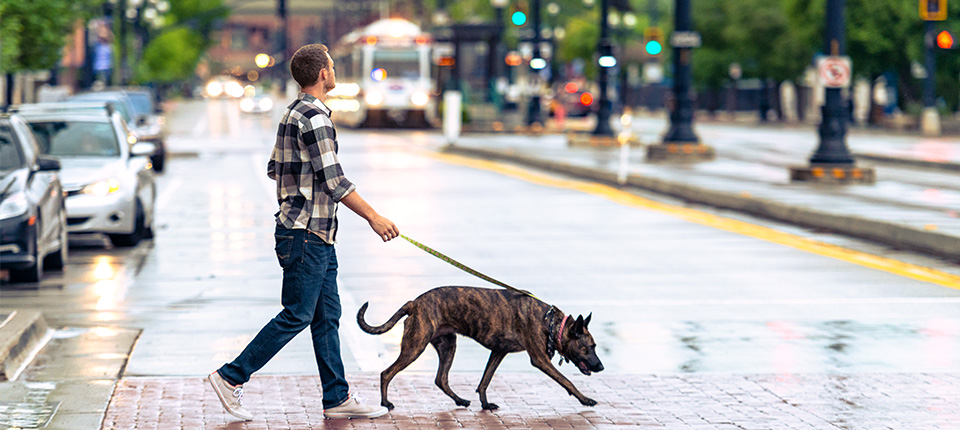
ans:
x=380 y=329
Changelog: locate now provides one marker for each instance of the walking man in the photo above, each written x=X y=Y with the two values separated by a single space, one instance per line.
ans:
x=310 y=183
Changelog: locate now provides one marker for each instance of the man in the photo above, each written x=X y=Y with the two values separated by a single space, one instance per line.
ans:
x=310 y=183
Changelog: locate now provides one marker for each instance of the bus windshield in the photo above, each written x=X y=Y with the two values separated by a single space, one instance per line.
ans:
x=398 y=64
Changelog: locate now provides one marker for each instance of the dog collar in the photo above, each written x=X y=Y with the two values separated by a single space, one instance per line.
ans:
x=560 y=332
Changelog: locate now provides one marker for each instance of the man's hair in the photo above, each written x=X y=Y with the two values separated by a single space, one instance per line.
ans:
x=307 y=62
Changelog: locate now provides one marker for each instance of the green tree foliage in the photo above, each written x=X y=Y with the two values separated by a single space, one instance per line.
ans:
x=34 y=31
x=173 y=55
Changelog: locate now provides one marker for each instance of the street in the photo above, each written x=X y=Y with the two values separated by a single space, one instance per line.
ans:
x=669 y=296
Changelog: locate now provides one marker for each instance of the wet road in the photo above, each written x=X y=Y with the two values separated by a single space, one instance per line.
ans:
x=667 y=295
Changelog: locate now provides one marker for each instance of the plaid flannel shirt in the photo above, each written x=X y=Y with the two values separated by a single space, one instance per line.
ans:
x=304 y=163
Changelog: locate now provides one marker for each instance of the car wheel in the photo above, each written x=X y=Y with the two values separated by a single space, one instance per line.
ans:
x=56 y=260
x=132 y=239
x=158 y=160
x=35 y=272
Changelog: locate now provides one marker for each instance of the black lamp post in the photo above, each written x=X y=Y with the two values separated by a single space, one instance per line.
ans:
x=537 y=63
x=681 y=115
x=607 y=61
x=832 y=161
x=833 y=126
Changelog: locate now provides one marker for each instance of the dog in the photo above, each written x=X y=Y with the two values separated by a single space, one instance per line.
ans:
x=503 y=321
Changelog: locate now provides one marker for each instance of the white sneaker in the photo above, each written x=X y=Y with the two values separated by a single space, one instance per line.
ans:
x=230 y=396
x=354 y=408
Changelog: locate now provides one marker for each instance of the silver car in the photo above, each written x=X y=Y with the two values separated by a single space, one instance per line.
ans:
x=105 y=170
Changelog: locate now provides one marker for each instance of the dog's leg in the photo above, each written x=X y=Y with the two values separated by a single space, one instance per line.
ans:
x=414 y=342
x=492 y=364
x=543 y=363
x=446 y=347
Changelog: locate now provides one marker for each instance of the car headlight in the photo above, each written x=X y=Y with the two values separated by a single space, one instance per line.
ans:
x=14 y=205
x=266 y=104
x=214 y=89
x=246 y=105
x=373 y=98
x=419 y=98
x=102 y=188
x=233 y=89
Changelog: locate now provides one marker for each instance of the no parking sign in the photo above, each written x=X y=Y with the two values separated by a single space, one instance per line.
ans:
x=835 y=71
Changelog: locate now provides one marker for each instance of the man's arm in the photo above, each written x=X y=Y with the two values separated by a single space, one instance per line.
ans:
x=382 y=226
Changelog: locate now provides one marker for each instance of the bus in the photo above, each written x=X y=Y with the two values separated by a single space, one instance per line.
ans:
x=383 y=75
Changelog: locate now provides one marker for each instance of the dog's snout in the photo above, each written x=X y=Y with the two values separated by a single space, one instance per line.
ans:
x=598 y=367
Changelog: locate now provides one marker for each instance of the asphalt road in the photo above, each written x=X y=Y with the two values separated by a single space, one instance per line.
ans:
x=667 y=295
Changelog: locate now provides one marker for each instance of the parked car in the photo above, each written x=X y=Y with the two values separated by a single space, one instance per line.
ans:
x=33 y=216
x=128 y=104
x=106 y=172
x=258 y=103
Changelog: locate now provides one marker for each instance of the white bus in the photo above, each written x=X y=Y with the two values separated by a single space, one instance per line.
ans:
x=383 y=75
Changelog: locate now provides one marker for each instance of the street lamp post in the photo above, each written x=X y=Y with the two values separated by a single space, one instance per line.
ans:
x=553 y=10
x=681 y=116
x=497 y=55
x=607 y=61
x=680 y=143
x=832 y=161
x=536 y=64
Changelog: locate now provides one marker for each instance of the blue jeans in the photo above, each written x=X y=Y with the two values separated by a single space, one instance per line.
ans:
x=309 y=297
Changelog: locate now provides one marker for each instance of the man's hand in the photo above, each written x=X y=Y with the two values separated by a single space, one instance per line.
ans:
x=384 y=228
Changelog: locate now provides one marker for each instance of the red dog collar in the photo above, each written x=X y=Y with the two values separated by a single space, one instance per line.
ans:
x=560 y=332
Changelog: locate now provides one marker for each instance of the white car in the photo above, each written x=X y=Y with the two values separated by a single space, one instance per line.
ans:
x=106 y=173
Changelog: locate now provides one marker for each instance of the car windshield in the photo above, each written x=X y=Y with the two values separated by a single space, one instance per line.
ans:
x=114 y=101
x=397 y=64
x=76 y=138
x=141 y=102
x=10 y=157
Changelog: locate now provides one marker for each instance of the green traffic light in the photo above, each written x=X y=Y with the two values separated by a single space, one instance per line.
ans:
x=654 y=47
x=519 y=18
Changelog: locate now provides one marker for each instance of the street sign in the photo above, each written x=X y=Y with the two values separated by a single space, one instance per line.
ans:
x=835 y=71
x=685 y=39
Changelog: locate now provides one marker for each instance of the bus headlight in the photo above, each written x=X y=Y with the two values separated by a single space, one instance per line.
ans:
x=373 y=98
x=420 y=98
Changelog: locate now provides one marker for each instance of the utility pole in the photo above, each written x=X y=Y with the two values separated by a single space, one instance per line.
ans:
x=832 y=161
x=282 y=65
x=536 y=64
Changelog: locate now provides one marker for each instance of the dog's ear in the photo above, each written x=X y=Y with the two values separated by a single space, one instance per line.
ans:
x=586 y=322
x=578 y=325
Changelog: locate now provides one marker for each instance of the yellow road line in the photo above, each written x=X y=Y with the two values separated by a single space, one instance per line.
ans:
x=889 y=265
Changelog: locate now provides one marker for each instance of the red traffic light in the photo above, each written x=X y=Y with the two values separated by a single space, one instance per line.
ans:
x=945 y=40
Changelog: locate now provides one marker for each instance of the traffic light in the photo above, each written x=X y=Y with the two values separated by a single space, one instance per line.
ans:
x=945 y=40
x=519 y=15
x=933 y=10
x=653 y=41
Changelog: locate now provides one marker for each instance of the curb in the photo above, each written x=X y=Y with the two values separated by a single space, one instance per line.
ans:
x=954 y=167
x=929 y=242
x=19 y=336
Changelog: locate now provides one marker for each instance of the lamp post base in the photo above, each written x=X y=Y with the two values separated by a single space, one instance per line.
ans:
x=681 y=151
x=833 y=174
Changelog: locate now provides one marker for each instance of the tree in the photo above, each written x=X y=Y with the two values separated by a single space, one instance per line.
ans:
x=174 y=54
x=33 y=31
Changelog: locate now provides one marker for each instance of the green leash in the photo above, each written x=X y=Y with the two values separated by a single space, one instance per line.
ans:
x=463 y=267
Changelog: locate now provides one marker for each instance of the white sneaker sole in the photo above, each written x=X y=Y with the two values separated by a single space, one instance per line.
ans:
x=224 y=401
x=340 y=415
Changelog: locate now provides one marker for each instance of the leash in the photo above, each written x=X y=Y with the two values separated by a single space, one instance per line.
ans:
x=463 y=267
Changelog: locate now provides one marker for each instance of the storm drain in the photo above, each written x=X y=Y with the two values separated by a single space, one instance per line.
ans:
x=33 y=412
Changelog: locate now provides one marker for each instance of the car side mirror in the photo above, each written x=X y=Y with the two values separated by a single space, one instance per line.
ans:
x=48 y=164
x=143 y=149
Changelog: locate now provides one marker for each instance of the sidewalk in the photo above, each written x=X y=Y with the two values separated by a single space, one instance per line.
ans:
x=912 y=205
x=902 y=401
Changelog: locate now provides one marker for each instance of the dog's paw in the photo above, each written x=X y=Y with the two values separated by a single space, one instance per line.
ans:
x=491 y=406
x=462 y=402
x=586 y=401
x=387 y=405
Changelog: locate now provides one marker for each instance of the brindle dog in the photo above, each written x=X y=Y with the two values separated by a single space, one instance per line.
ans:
x=504 y=321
